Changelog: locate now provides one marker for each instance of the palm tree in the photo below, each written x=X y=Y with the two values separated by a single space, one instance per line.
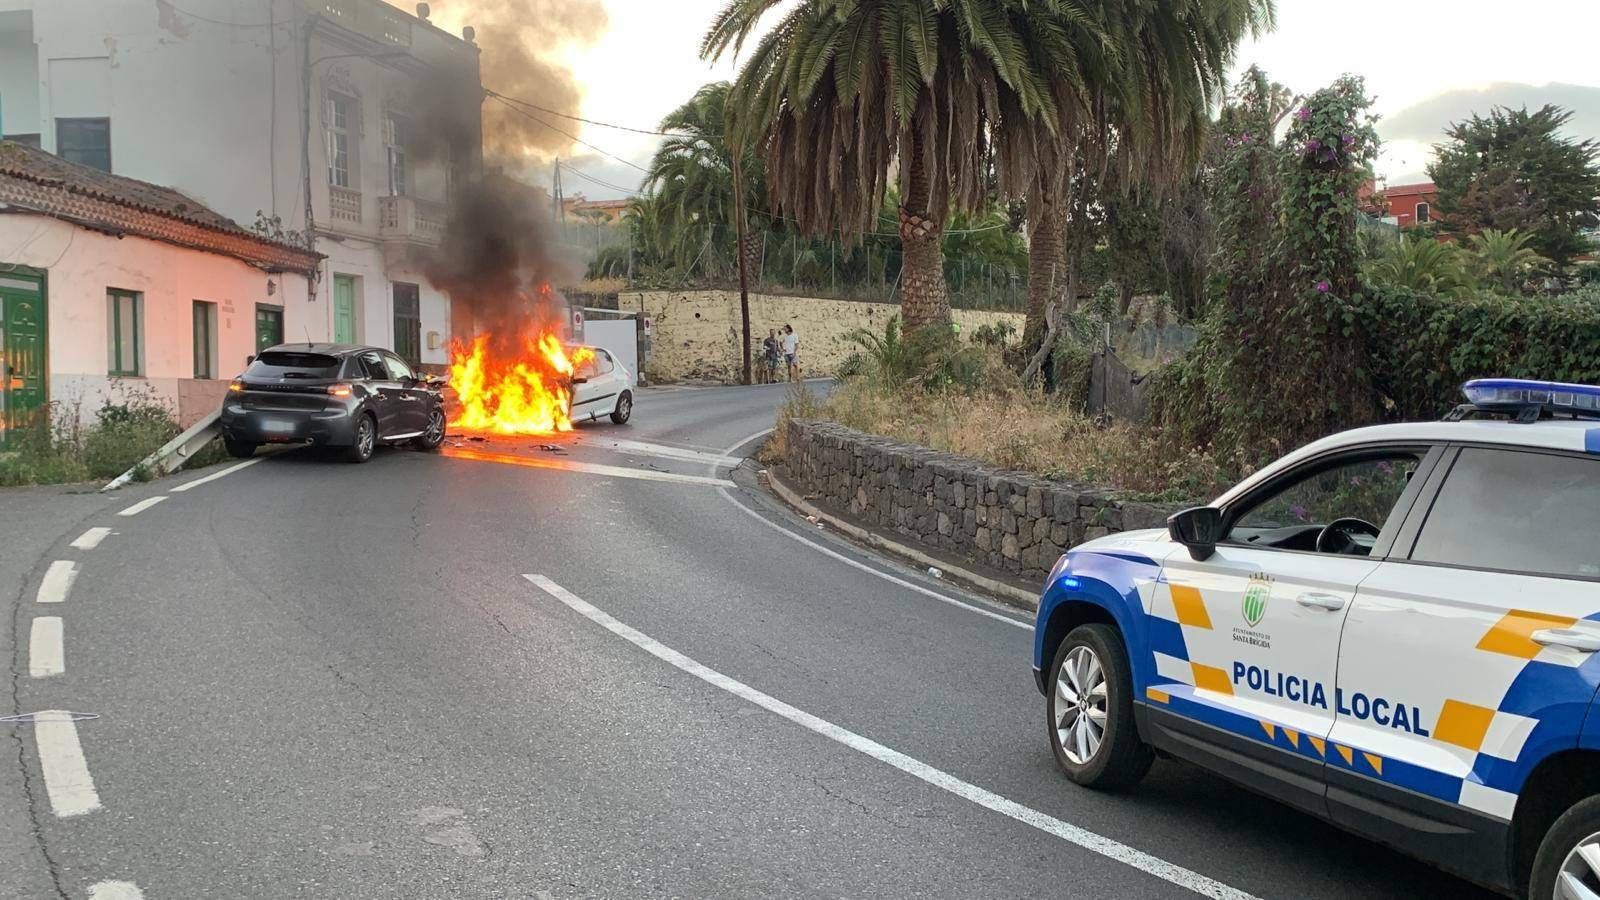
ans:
x=1503 y=259
x=691 y=180
x=1150 y=103
x=841 y=92
x=1422 y=264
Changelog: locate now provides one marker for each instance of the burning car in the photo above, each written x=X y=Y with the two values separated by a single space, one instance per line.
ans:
x=331 y=395
x=535 y=385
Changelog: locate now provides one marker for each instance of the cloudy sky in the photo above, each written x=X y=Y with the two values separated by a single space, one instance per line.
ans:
x=1426 y=61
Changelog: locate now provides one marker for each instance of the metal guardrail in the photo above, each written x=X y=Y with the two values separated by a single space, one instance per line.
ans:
x=174 y=453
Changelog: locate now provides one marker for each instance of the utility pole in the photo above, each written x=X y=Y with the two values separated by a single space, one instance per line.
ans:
x=744 y=275
x=555 y=193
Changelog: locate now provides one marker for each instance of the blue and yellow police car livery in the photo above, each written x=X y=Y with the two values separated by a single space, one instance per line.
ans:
x=1395 y=628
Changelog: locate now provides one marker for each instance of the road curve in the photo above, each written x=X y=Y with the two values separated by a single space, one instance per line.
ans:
x=321 y=680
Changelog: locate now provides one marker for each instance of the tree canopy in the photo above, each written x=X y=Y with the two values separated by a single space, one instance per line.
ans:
x=1513 y=169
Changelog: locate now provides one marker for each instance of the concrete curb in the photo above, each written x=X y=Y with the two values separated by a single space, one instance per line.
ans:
x=1012 y=595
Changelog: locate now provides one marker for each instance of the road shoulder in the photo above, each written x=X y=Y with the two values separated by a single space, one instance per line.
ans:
x=1007 y=591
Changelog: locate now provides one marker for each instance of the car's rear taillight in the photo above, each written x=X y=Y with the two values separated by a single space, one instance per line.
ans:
x=236 y=386
x=340 y=390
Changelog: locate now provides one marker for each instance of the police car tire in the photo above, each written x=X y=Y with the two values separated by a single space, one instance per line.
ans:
x=1123 y=759
x=1576 y=824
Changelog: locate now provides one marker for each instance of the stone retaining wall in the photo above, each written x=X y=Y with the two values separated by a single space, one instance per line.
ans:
x=697 y=332
x=1009 y=521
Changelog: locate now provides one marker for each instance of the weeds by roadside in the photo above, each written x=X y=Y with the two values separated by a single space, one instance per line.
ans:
x=63 y=449
x=965 y=400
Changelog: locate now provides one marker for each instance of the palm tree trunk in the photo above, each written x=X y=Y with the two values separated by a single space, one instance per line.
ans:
x=924 y=298
x=743 y=250
x=1047 y=273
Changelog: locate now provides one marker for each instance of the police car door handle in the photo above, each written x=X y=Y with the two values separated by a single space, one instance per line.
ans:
x=1314 y=600
x=1570 y=638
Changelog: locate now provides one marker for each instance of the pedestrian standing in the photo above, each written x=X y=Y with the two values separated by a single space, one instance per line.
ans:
x=791 y=351
x=770 y=353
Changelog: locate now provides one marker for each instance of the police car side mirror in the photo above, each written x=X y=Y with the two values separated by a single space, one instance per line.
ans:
x=1199 y=529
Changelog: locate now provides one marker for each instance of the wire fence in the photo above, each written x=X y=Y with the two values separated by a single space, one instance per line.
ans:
x=784 y=262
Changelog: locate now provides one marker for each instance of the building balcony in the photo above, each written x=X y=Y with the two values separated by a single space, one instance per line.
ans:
x=411 y=220
x=344 y=205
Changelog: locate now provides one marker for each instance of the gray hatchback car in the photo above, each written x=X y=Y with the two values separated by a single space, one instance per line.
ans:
x=333 y=395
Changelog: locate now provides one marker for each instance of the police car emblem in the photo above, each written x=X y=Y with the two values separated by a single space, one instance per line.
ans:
x=1255 y=599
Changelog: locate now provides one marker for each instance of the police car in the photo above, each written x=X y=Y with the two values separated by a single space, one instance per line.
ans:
x=1394 y=628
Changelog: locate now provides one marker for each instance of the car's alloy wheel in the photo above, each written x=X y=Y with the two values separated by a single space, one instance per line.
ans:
x=366 y=440
x=1089 y=711
x=624 y=409
x=1081 y=705
x=1580 y=872
x=433 y=436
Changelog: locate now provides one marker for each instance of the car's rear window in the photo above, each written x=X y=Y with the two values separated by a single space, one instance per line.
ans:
x=288 y=364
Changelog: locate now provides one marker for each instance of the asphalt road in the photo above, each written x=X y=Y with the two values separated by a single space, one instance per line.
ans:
x=314 y=679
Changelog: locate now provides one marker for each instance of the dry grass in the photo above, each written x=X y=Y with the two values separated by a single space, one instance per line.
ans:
x=1015 y=428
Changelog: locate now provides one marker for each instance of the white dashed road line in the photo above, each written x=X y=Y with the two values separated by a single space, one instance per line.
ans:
x=57 y=581
x=47 y=653
x=66 y=773
x=1072 y=834
x=115 y=890
x=91 y=539
x=141 y=506
x=191 y=485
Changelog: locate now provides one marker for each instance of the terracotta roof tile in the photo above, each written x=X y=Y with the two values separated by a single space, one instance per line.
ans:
x=36 y=181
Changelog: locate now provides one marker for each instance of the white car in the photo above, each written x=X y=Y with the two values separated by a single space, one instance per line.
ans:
x=1396 y=628
x=601 y=386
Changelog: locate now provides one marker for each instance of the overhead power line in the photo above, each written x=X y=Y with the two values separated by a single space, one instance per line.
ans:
x=567 y=134
x=605 y=184
x=563 y=115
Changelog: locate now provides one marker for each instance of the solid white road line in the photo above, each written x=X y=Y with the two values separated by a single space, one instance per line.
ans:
x=141 y=506
x=66 y=774
x=47 y=653
x=1072 y=834
x=115 y=890
x=747 y=439
x=57 y=581
x=892 y=579
x=567 y=465
x=668 y=452
x=191 y=485
x=91 y=539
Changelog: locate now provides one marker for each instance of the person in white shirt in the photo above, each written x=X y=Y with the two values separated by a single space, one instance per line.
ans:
x=791 y=351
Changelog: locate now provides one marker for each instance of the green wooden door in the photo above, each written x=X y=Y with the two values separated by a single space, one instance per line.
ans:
x=344 y=309
x=269 y=326
x=23 y=386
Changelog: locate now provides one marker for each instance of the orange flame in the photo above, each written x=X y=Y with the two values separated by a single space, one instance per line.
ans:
x=528 y=394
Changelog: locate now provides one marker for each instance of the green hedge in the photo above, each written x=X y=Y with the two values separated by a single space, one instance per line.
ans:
x=1422 y=347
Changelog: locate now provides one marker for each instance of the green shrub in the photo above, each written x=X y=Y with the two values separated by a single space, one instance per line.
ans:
x=1423 y=347
x=125 y=431
x=931 y=358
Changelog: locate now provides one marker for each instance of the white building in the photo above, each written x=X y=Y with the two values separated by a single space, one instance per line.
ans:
x=113 y=287
x=298 y=109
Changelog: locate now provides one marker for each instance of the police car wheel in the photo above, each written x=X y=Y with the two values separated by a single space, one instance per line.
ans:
x=1568 y=862
x=1092 y=731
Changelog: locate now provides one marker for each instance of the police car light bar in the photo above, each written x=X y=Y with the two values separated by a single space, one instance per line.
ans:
x=1515 y=394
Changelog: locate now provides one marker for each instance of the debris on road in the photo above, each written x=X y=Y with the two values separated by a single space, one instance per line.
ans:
x=763 y=478
x=479 y=438
x=935 y=572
